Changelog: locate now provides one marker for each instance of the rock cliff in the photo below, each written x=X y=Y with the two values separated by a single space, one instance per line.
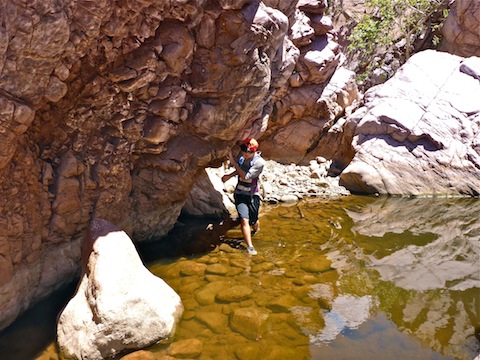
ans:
x=112 y=110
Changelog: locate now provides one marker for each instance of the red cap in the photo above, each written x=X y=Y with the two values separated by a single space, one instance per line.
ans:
x=250 y=144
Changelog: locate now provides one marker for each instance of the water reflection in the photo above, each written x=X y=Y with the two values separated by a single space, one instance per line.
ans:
x=429 y=249
x=433 y=243
x=348 y=313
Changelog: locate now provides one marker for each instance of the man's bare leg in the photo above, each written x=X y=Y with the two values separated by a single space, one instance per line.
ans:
x=247 y=236
x=256 y=227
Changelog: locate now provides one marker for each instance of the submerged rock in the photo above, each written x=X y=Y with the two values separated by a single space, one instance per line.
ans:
x=251 y=322
x=119 y=304
x=186 y=349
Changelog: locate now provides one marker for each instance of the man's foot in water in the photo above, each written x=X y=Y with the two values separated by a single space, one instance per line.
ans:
x=251 y=250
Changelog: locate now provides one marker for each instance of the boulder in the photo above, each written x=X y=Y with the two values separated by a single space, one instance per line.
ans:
x=119 y=304
x=207 y=197
x=418 y=133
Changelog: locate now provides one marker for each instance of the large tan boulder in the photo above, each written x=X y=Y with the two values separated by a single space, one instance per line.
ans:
x=119 y=304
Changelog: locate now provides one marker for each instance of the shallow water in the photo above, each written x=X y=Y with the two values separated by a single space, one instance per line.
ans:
x=350 y=278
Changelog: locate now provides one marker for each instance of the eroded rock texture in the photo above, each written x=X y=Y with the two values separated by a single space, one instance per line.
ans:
x=111 y=110
x=461 y=29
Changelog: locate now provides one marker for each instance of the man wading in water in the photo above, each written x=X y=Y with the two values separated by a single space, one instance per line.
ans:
x=247 y=197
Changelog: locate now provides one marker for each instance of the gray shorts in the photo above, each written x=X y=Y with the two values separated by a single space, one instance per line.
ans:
x=247 y=207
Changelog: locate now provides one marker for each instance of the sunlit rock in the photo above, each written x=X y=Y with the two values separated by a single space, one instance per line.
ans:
x=305 y=123
x=418 y=133
x=119 y=304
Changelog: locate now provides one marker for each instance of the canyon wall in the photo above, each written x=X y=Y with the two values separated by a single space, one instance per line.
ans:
x=113 y=109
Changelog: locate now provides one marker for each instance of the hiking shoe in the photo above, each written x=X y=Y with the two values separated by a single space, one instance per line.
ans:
x=251 y=250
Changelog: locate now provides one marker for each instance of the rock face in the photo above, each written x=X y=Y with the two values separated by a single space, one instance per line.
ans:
x=119 y=304
x=112 y=110
x=419 y=133
x=461 y=29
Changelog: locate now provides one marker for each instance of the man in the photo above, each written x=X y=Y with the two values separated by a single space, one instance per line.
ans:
x=247 y=197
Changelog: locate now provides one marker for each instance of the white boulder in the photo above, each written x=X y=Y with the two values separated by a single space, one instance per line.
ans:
x=418 y=134
x=119 y=304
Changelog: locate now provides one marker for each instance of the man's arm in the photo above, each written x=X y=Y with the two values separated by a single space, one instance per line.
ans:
x=238 y=169
x=227 y=177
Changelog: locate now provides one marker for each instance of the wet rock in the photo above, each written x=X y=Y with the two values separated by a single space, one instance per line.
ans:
x=316 y=265
x=239 y=262
x=262 y=266
x=247 y=351
x=250 y=322
x=282 y=303
x=308 y=320
x=226 y=248
x=234 y=294
x=119 y=304
x=216 y=269
x=186 y=349
x=189 y=268
x=139 y=355
x=215 y=321
x=281 y=352
x=207 y=294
